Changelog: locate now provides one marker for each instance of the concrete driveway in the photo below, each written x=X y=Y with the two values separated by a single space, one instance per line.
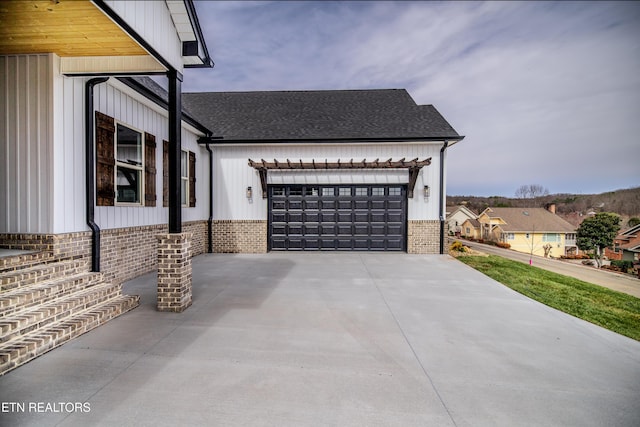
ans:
x=334 y=339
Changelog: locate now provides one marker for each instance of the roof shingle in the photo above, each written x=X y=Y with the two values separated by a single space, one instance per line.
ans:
x=537 y=220
x=379 y=114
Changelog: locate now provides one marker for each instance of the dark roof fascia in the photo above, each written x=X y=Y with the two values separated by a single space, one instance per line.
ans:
x=207 y=61
x=152 y=96
x=222 y=140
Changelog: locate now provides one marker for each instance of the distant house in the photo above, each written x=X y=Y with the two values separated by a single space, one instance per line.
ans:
x=626 y=245
x=530 y=230
x=456 y=218
x=470 y=229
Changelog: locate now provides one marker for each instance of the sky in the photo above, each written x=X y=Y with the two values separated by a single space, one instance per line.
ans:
x=546 y=93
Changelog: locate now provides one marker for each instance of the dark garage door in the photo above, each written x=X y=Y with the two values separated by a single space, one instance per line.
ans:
x=354 y=217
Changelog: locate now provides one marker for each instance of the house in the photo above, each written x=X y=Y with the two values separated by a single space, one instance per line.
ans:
x=626 y=245
x=470 y=229
x=325 y=170
x=456 y=219
x=95 y=167
x=108 y=176
x=535 y=231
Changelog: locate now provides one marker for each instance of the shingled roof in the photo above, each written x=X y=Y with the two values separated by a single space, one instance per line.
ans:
x=332 y=115
x=539 y=220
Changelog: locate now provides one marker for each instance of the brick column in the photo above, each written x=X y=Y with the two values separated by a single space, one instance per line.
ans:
x=174 y=272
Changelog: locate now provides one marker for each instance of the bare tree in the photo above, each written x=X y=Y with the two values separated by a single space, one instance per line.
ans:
x=531 y=191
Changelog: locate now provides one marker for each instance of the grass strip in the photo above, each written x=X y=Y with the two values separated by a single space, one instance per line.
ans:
x=610 y=309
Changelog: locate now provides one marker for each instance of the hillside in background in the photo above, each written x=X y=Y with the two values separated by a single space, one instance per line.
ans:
x=572 y=207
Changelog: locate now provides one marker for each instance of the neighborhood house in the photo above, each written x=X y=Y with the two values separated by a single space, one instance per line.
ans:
x=536 y=231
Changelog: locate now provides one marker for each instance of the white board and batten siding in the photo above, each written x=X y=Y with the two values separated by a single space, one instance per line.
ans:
x=42 y=149
x=152 y=21
x=26 y=143
x=136 y=112
x=232 y=174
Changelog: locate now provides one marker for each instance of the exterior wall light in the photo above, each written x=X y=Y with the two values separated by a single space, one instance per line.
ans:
x=249 y=193
x=427 y=191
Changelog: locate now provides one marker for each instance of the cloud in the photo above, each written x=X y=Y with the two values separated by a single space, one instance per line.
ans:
x=546 y=92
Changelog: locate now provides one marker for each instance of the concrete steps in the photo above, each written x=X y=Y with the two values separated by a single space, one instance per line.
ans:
x=44 y=305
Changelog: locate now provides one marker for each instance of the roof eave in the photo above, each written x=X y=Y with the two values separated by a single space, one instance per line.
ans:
x=244 y=141
x=152 y=96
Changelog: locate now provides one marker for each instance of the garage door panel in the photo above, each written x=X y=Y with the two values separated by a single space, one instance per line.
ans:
x=328 y=204
x=328 y=217
x=311 y=244
x=363 y=217
x=311 y=229
x=327 y=230
x=394 y=229
x=394 y=217
x=378 y=229
x=311 y=217
x=361 y=229
x=312 y=205
x=294 y=217
x=361 y=204
x=345 y=217
x=345 y=230
x=395 y=204
x=378 y=216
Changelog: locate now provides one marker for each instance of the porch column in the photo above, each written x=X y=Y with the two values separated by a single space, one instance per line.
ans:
x=174 y=272
x=174 y=249
x=175 y=150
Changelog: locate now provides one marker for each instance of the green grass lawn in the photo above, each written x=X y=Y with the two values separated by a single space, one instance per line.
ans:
x=610 y=309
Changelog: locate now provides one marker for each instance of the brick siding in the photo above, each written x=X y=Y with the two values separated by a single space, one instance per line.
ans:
x=245 y=237
x=423 y=237
x=125 y=253
x=174 y=272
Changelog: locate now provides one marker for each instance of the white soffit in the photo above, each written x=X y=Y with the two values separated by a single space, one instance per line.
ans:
x=110 y=64
x=181 y=20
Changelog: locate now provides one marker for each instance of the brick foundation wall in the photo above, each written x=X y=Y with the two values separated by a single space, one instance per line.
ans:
x=245 y=237
x=125 y=253
x=423 y=237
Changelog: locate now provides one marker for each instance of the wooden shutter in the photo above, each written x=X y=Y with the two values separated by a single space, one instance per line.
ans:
x=149 y=170
x=165 y=173
x=192 y=179
x=105 y=160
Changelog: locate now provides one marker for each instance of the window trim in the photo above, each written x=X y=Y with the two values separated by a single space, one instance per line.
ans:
x=184 y=178
x=141 y=168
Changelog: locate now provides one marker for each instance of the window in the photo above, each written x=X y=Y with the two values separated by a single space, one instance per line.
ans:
x=311 y=191
x=361 y=191
x=344 y=191
x=551 y=237
x=184 y=177
x=395 y=191
x=125 y=164
x=187 y=177
x=377 y=191
x=507 y=236
x=129 y=165
x=328 y=191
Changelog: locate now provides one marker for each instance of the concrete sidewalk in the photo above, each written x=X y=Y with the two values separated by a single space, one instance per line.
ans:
x=333 y=339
